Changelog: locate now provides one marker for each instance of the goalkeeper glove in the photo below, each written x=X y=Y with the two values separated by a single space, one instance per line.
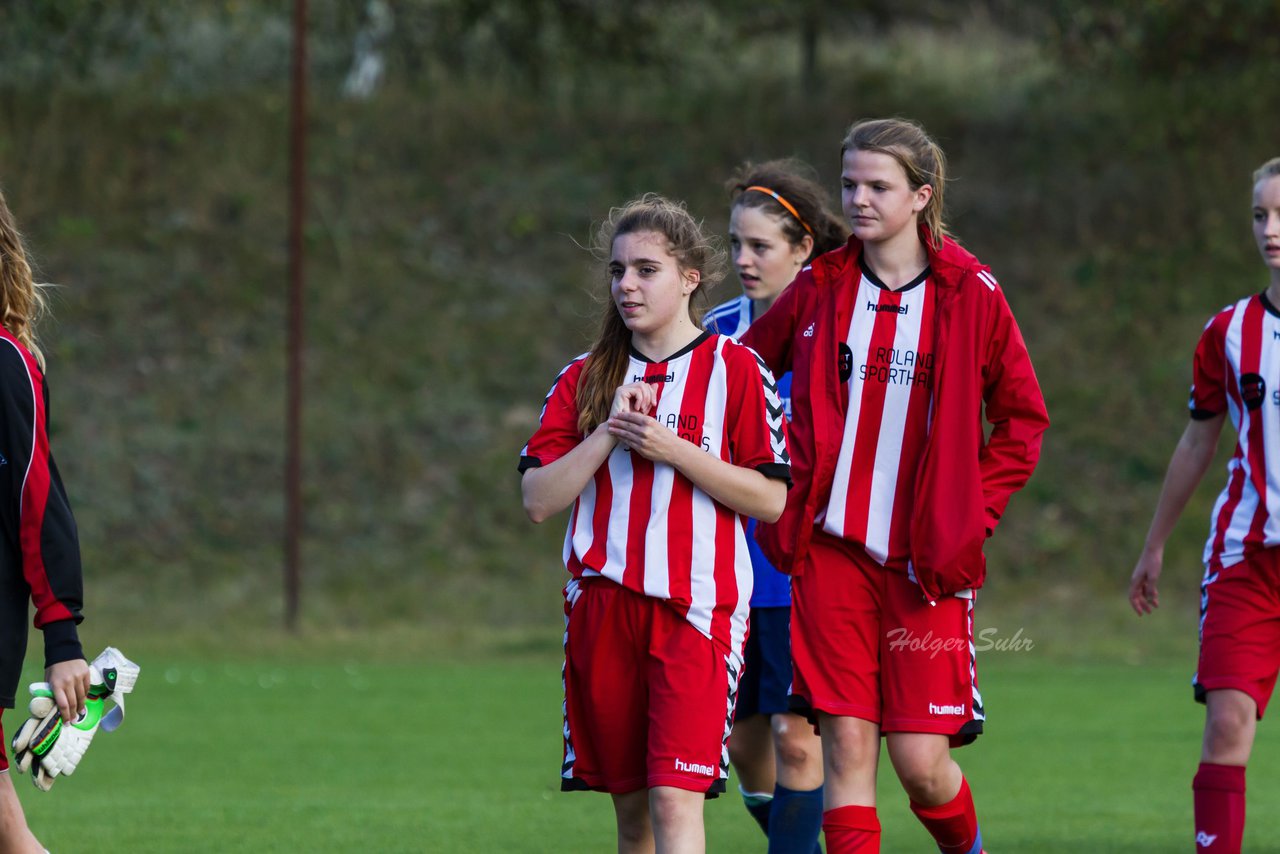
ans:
x=38 y=732
x=52 y=747
x=112 y=675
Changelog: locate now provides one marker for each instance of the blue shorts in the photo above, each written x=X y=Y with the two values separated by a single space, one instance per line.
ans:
x=766 y=673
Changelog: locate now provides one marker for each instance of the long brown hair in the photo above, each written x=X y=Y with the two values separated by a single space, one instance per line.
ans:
x=774 y=185
x=692 y=248
x=21 y=302
x=921 y=158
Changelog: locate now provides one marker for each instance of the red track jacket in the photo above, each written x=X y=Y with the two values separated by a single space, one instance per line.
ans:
x=963 y=483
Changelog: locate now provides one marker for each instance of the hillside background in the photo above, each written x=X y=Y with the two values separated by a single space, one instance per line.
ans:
x=1101 y=165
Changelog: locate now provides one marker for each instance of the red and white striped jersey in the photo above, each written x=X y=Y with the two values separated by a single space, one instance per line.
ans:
x=1237 y=371
x=644 y=524
x=887 y=361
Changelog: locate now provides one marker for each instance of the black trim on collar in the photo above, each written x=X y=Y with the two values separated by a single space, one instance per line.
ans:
x=636 y=354
x=875 y=280
x=1268 y=305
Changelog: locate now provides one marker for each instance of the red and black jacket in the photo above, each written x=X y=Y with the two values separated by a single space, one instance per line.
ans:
x=964 y=480
x=39 y=550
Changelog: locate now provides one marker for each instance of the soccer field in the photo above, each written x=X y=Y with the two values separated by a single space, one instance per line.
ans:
x=272 y=756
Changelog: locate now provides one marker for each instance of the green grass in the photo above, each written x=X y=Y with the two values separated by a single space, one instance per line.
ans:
x=286 y=750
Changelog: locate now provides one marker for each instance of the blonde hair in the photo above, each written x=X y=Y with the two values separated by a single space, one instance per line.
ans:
x=921 y=159
x=21 y=302
x=692 y=248
x=1267 y=170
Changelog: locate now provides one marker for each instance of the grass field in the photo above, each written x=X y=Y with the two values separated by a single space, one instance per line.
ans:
x=294 y=749
x=446 y=286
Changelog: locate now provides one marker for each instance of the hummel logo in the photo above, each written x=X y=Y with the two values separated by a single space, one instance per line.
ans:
x=694 y=768
x=935 y=709
x=897 y=309
x=1205 y=840
x=808 y=333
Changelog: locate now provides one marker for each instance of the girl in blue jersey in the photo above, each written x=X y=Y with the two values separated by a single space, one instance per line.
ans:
x=39 y=552
x=778 y=221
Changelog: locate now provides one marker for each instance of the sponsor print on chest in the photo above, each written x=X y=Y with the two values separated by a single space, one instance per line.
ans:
x=686 y=412
x=1259 y=388
x=887 y=341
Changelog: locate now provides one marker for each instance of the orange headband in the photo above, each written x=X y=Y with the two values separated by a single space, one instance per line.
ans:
x=786 y=204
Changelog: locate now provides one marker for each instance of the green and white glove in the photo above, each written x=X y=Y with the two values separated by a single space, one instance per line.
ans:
x=38 y=732
x=47 y=747
x=112 y=675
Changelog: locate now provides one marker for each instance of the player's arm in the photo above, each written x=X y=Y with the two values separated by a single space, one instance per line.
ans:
x=548 y=489
x=551 y=488
x=1191 y=459
x=744 y=490
x=1015 y=409
x=38 y=516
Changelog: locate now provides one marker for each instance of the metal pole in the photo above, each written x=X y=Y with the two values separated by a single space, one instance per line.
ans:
x=293 y=405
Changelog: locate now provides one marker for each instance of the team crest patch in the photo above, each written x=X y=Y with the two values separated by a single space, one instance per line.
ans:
x=1253 y=390
x=846 y=362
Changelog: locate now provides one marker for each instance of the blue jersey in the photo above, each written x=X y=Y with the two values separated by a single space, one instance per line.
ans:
x=772 y=588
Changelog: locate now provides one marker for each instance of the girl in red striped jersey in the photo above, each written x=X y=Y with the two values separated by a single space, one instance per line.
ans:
x=1236 y=372
x=779 y=221
x=899 y=342
x=39 y=553
x=663 y=439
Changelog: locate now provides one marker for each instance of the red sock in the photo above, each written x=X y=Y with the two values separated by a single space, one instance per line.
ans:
x=1219 y=798
x=851 y=830
x=953 y=825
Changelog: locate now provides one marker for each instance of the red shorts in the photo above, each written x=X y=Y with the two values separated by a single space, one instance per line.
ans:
x=1240 y=628
x=648 y=698
x=868 y=645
